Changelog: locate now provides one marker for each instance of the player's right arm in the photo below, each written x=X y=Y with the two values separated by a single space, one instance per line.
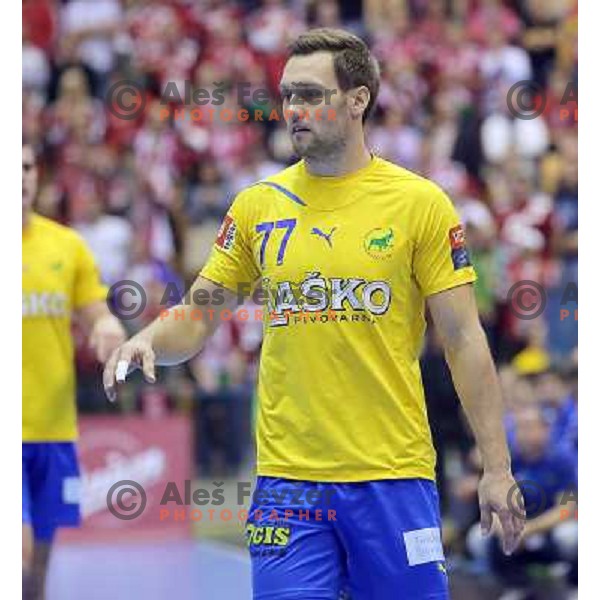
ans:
x=174 y=338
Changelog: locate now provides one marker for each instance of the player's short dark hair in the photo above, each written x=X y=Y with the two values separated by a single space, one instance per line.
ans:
x=353 y=63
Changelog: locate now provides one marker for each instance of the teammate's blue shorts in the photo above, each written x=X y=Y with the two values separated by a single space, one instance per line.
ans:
x=375 y=540
x=50 y=487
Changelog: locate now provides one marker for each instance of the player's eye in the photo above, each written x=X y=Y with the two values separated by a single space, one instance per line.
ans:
x=27 y=167
x=312 y=94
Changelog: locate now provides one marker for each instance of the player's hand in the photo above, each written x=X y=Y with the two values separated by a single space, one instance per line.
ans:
x=134 y=354
x=106 y=336
x=499 y=495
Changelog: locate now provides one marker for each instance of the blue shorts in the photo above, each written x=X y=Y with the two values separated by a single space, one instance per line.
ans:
x=50 y=487
x=373 y=540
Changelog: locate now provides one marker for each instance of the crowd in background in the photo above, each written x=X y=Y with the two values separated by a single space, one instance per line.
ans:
x=148 y=194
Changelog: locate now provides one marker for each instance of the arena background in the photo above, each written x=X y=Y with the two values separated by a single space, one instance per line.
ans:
x=148 y=194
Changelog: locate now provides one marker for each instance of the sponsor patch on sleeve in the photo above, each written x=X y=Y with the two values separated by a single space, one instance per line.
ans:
x=226 y=236
x=457 y=237
x=423 y=546
x=458 y=248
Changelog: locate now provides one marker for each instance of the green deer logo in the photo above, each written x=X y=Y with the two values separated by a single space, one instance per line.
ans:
x=382 y=243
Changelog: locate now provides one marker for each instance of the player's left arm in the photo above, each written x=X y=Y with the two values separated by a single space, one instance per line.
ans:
x=455 y=317
x=90 y=308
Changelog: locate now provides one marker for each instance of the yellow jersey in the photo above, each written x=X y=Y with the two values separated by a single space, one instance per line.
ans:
x=59 y=276
x=346 y=263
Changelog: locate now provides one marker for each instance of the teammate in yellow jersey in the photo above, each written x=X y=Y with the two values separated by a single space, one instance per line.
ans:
x=351 y=250
x=60 y=281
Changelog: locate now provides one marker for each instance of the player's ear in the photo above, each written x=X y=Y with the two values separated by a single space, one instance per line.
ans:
x=358 y=100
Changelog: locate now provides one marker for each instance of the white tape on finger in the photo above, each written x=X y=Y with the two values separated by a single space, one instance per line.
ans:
x=122 y=368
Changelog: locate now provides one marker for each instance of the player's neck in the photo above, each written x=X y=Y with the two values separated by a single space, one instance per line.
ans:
x=352 y=158
x=25 y=219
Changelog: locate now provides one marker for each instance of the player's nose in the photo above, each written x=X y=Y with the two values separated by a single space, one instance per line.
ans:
x=297 y=115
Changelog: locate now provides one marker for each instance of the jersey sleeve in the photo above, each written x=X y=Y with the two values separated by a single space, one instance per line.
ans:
x=441 y=260
x=88 y=287
x=231 y=262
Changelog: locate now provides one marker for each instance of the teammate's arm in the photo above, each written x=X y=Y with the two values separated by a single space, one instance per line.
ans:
x=173 y=338
x=456 y=319
x=104 y=330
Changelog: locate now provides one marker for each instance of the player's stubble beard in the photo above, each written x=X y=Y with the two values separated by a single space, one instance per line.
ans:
x=321 y=148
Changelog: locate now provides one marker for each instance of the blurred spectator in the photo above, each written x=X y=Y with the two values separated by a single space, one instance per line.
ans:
x=325 y=14
x=549 y=493
x=502 y=65
x=209 y=197
x=109 y=237
x=156 y=152
x=565 y=213
x=74 y=110
x=39 y=24
x=492 y=17
x=565 y=428
x=87 y=35
x=36 y=66
x=449 y=431
x=540 y=35
x=269 y=29
x=397 y=140
x=162 y=285
x=224 y=373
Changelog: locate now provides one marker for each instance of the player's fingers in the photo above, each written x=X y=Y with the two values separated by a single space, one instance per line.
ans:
x=518 y=506
x=509 y=535
x=120 y=362
x=93 y=341
x=101 y=349
x=126 y=362
x=519 y=525
x=148 y=365
x=486 y=518
x=108 y=376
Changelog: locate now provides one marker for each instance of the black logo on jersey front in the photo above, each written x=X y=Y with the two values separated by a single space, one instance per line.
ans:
x=326 y=236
